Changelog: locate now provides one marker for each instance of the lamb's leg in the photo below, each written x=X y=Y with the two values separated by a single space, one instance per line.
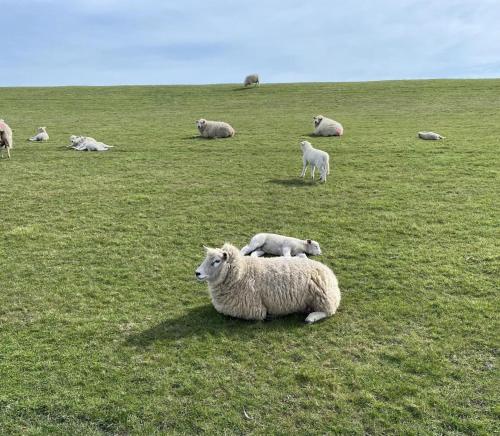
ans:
x=256 y=242
x=8 y=152
x=287 y=252
x=258 y=253
x=246 y=250
x=304 y=167
x=315 y=316
x=313 y=169
x=301 y=255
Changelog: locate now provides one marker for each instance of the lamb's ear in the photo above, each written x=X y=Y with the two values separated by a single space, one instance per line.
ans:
x=206 y=248
x=224 y=255
x=309 y=241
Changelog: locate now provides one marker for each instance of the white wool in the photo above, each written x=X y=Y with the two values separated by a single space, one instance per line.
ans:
x=316 y=159
x=324 y=126
x=86 y=143
x=257 y=287
x=6 y=138
x=279 y=245
x=430 y=135
x=251 y=79
x=41 y=135
x=214 y=129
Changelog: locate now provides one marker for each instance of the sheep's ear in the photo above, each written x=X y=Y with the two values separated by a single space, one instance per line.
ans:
x=224 y=256
x=206 y=248
x=309 y=241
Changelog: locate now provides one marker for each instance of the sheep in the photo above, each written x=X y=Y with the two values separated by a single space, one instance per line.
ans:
x=41 y=135
x=278 y=245
x=316 y=158
x=214 y=129
x=251 y=80
x=255 y=288
x=86 y=143
x=326 y=127
x=430 y=135
x=6 y=141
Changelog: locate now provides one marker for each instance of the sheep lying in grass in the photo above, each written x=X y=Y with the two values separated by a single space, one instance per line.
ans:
x=252 y=79
x=214 y=129
x=41 y=135
x=6 y=141
x=86 y=143
x=257 y=287
x=326 y=127
x=315 y=158
x=430 y=135
x=278 y=245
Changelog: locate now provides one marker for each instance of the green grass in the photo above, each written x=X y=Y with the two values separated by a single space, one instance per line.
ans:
x=104 y=330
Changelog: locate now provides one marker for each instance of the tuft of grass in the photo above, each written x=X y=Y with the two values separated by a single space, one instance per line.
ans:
x=104 y=330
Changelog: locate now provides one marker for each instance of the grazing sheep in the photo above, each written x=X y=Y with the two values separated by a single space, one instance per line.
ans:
x=41 y=135
x=257 y=287
x=251 y=80
x=214 y=129
x=270 y=243
x=86 y=143
x=316 y=158
x=6 y=141
x=430 y=135
x=326 y=127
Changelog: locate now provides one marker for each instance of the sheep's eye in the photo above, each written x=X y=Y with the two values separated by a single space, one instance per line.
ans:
x=215 y=262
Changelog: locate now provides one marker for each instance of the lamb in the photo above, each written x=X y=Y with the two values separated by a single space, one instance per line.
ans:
x=430 y=135
x=6 y=141
x=326 y=127
x=258 y=287
x=86 y=143
x=251 y=80
x=278 y=245
x=41 y=135
x=316 y=158
x=214 y=129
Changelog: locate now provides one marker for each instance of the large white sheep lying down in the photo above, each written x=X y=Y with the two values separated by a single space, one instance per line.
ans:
x=41 y=135
x=316 y=159
x=257 y=287
x=251 y=79
x=6 y=141
x=86 y=143
x=430 y=135
x=324 y=126
x=278 y=245
x=214 y=129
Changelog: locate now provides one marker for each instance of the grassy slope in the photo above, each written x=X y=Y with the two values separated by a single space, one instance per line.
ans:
x=104 y=329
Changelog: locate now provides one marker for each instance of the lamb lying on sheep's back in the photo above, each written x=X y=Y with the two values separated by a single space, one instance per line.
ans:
x=324 y=126
x=257 y=287
x=214 y=129
x=279 y=245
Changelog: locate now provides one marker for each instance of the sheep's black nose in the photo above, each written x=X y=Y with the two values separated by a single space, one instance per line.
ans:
x=197 y=274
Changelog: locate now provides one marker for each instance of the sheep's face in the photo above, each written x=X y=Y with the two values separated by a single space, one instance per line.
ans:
x=40 y=130
x=317 y=120
x=312 y=248
x=201 y=124
x=305 y=145
x=213 y=266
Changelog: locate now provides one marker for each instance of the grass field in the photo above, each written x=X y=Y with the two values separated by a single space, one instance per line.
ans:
x=104 y=330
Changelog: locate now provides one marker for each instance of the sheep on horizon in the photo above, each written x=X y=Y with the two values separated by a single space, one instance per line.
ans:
x=251 y=79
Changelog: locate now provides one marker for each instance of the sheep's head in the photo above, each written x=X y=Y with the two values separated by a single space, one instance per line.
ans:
x=41 y=129
x=201 y=124
x=217 y=263
x=312 y=247
x=304 y=145
x=317 y=120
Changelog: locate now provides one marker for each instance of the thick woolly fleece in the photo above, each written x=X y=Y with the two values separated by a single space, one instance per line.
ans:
x=214 y=129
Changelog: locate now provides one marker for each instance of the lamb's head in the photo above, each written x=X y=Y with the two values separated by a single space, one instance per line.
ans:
x=41 y=130
x=305 y=145
x=317 y=120
x=201 y=124
x=312 y=247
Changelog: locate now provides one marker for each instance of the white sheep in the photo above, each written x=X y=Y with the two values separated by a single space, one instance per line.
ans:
x=6 y=141
x=430 y=135
x=316 y=159
x=86 y=143
x=214 y=129
x=41 y=135
x=258 y=287
x=251 y=79
x=278 y=245
x=327 y=127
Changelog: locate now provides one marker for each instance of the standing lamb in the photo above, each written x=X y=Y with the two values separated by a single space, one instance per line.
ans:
x=278 y=245
x=41 y=135
x=316 y=158
x=251 y=79
x=257 y=287
x=214 y=129
x=6 y=141
x=430 y=135
x=326 y=127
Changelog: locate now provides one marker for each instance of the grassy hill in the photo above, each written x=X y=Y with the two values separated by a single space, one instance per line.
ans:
x=103 y=328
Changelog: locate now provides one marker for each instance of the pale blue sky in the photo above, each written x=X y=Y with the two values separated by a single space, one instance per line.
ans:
x=108 y=42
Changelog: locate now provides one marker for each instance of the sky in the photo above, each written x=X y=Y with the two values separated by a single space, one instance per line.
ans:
x=112 y=42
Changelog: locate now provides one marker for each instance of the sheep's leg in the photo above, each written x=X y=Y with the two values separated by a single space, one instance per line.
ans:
x=8 y=152
x=258 y=253
x=315 y=316
x=313 y=169
x=287 y=252
x=304 y=167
